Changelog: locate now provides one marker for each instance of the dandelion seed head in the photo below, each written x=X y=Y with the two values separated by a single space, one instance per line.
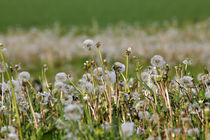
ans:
x=145 y=76
x=187 y=61
x=4 y=86
x=87 y=77
x=127 y=129
x=158 y=61
x=73 y=112
x=2 y=68
x=144 y=115
x=61 y=77
x=15 y=84
x=101 y=89
x=88 y=44
x=207 y=94
x=112 y=77
x=5 y=129
x=118 y=67
x=58 y=86
x=193 y=131
x=12 y=136
x=98 y=73
x=87 y=87
x=67 y=89
x=68 y=99
x=23 y=76
x=186 y=81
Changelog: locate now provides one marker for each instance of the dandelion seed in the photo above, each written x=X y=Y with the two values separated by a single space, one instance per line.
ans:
x=18 y=67
x=15 y=84
x=139 y=105
x=144 y=115
x=23 y=77
x=12 y=136
x=67 y=89
x=67 y=100
x=2 y=68
x=118 y=67
x=128 y=51
x=88 y=44
x=158 y=61
x=87 y=87
x=58 y=86
x=59 y=124
x=61 y=77
x=70 y=136
x=187 y=61
x=176 y=130
x=153 y=118
x=135 y=96
x=193 y=131
x=87 y=77
x=101 y=89
x=73 y=112
x=112 y=77
x=186 y=81
x=4 y=87
x=38 y=116
x=207 y=94
x=86 y=97
x=150 y=138
x=5 y=129
x=98 y=73
x=127 y=129
x=107 y=126
x=203 y=77
x=145 y=76
x=125 y=96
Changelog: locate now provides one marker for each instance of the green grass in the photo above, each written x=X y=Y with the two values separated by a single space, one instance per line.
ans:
x=44 y=13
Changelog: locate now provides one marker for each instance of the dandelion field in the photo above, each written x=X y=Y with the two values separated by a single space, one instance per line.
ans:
x=106 y=102
x=113 y=70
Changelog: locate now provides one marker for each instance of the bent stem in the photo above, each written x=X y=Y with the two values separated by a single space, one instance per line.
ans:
x=32 y=109
x=13 y=95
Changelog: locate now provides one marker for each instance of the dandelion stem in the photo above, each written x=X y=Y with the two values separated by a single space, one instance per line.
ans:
x=13 y=94
x=32 y=109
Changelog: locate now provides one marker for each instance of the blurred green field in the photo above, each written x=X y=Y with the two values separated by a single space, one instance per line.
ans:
x=44 y=13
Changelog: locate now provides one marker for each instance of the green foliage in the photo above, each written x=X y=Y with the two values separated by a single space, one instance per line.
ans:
x=44 y=13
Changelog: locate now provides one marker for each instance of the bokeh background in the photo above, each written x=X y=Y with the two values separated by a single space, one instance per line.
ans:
x=44 y=13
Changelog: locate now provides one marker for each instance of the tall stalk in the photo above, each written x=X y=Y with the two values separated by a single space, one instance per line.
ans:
x=13 y=92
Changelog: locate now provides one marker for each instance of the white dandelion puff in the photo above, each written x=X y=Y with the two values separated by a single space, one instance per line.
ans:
x=61 y=77
x=118 y=67
x=157 y=61
x=2 y=68
x=73 y=112
x=186 y=81
x=12 y=136
x=88 y=44
x=207 y=94
x=145 y=76
x=67 y=89
x=187 y=61
x=24 y=76
x=127 y=129
x=58 y=86
x=98 y=73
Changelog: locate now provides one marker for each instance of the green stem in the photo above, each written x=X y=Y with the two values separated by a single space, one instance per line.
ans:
x=13 y=95
x=126 y=74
